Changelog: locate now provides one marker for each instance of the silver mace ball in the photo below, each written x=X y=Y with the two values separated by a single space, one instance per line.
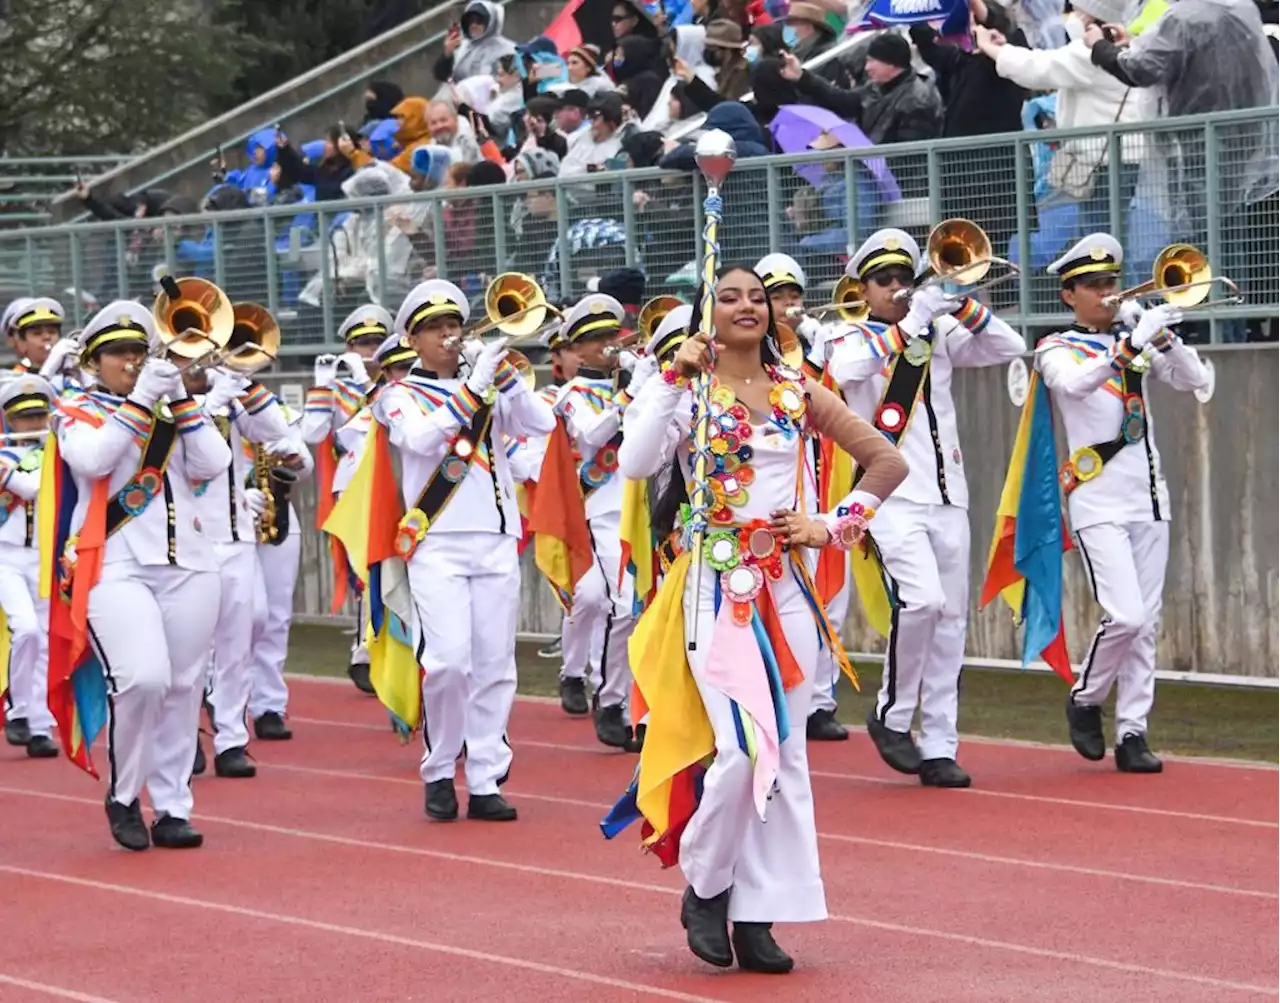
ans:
x=715 y=154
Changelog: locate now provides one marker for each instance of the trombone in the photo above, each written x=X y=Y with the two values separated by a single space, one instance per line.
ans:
x=959 y=251
x=649 y=318
x=515 y=305
x=849 y=303
x=1181 y=276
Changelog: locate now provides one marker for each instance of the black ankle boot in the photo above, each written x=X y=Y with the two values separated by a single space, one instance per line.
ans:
x=707 y=923
x=757 y=951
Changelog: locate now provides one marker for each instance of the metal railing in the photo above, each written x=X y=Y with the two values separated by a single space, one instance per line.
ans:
x=28 y=185
x=1207 y=180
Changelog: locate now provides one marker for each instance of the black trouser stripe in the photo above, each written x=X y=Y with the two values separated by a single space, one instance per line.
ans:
x=893 y=664
x=417 y=655
x=1083 y=682
x=608 y=620
x=112 y=689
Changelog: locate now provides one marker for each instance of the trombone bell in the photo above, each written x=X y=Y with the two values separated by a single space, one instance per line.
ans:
x=653 y=313
x=1182 y=275
x=850 y=303
x=198 y=317
x=515 y=305
x=959 y=251
x=255 y=339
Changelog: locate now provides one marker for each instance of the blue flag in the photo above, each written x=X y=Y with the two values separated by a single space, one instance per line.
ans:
x=952 y=14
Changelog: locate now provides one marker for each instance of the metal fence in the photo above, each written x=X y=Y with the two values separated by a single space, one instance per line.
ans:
x=1207 y=180
x=28 y=185
x=1222 y=596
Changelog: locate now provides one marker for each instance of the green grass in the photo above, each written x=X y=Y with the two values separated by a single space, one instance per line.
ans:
x=1188 y=719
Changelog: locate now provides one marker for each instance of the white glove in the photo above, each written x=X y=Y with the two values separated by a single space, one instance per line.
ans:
x=58 y=354
x=159 y=378
x=808 y=328
x=255 y=501
x=225 y=386
x=471 y=349
x=326 y=371
x=646 y=368
x=356 y=364
x=627 y=361
x=285 y=447
x=486 y=367
x=927 y=304
x=1153 y=322
x=1130 y=313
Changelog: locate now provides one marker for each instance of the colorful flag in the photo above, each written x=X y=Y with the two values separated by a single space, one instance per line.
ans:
x=1024 y=566
x=558 y=520
x=636 y=533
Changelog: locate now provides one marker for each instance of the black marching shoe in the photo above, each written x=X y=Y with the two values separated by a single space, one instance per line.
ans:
x=943 y=773
x=172 y=833
x=490 y=808
x=270 y=727
x=1084 y=722
x=610 y=729
x=573 y=697
x=1133 y=756
x=441 y=801
x=636 y=744
x=17 y=731
x=359 y=673
x=757 y=951
x=706 y=922
x=127 y=827
x=822 y=726
x=42 y=747
x=200 y=764
x=897 y=748
x=235 y=764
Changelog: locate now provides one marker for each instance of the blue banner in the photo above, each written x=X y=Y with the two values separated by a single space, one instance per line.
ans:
x=951 y=15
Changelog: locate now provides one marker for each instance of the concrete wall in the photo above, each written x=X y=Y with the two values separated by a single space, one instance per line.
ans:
x=1221 y=605
x=304 y=107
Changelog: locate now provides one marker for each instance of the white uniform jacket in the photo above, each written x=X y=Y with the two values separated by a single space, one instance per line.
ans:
x=19 y=487
x=859 y=358
x=103 y=437
x=592 y=411
x=1084 y=373
x=425 y=414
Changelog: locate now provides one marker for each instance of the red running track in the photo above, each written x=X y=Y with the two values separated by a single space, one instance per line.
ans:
x=1053 y=880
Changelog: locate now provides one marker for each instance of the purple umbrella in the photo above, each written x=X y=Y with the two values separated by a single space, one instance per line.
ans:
x=796 y=127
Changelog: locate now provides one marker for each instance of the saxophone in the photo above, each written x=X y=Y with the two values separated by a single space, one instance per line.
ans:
x=275 y=482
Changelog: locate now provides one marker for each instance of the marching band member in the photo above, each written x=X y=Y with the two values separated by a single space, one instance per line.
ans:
x=8 y=327
x=895 y=370
x=785 y=281
x=463 y=569
x=243 y=412
x=1117 y=498
x=151 y=611
x=25 y=403
x=592 y=405
x=274 y=582
x=330 y=404
x=747 y=631
x=37 y=327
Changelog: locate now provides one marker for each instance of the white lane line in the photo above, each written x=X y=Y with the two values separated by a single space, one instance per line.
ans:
x=48 y=990
x=986 y=858
x=600 y=750
x=351 y=931
x=611 y=881
x=1016 y=743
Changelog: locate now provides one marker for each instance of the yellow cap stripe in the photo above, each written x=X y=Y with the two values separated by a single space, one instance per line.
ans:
x=398 y=355
x=774 y=279
x=27 y=404
x=363 y=329
x=113 y=334
x=1088 y=267
x=41 y=315
x=587 y=326
x=433 y=310
x=885 y=258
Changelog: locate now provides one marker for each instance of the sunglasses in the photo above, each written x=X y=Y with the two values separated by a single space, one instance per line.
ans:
x=889 y=276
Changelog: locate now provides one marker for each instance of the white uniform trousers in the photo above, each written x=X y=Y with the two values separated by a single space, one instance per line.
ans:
x=607 y=617
x=277 y=574
x=28 y=619
x=232 y=642
x=1125 y=564
x=581 y=641
x=360 y=650
x=772 y=865
x=827 y=675
x=466 y=589
x=926 y=551
x=151 y=628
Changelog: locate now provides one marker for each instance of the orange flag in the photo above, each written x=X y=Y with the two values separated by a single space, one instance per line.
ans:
x=558 y=517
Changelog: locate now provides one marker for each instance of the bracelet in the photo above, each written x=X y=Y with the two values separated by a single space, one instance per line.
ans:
x=851 y=526
x=672 y=378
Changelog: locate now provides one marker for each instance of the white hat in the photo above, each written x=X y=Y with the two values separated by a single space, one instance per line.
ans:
x=120 y=320
x=365 y=320
x=672 y=332
x=11 y=313
x=882 y=249
x=395 y=351
x=433 y=298
x=1098 y=253
x=593 y=316
x=780 y=270
x=38 y=312
x=28 y=392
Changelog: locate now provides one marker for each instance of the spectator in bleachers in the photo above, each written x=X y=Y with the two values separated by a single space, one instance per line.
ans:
x=589 y=148
x=725 y=57
x=583 y=66
x=765 y=40
x=686 y=44
x=544 y=71
x=475 y=45
x=630 y=19
x=448 y=128
x=533 y=217
x=507 y=107
x=895 y=105
x=639 y=71
x=571 y=115
x=770 y=90
x=540 y=115
x=380 y=97
x=808 y=34
x=326 y=174
x=256 y=178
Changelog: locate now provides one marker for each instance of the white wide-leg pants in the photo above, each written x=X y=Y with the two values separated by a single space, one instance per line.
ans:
x=277 y=575
x=28 y=620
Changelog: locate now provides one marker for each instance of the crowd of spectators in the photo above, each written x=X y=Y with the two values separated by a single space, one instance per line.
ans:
x=515 y=112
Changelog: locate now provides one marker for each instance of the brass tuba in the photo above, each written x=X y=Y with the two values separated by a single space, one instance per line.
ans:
x=275 y=482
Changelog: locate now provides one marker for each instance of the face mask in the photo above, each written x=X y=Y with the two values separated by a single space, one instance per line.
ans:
x=1074 y=26
x=753 y=53
x=789 y=37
